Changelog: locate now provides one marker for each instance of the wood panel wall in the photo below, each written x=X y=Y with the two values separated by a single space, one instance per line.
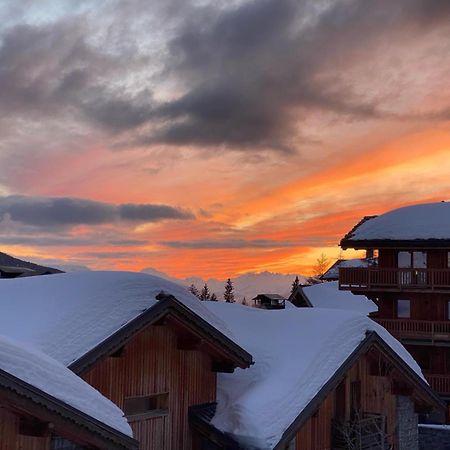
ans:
x=376 y=397
x=152 y=364
x=9 y=430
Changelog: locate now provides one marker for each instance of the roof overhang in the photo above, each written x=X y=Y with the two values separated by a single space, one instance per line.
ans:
x=23 y=398
x=422 y=391
x=171 y=312
x=363 y=244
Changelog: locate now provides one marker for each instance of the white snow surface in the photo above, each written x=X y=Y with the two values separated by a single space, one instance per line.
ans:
x=296 y=351
x=66 y=315
x=52 y=377
x=328 y=295
x=425 y=221
x=333 y=271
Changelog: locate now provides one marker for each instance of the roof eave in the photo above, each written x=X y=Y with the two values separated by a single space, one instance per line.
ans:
x=113 y=438
x=372 y=338
x=240 y=357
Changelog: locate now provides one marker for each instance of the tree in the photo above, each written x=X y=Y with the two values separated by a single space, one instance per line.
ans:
x=205 y=294
x=321 y=266
x=295 y=284
x=193 y=290
x=213 y=297
x=228 y=295
x=244 y=301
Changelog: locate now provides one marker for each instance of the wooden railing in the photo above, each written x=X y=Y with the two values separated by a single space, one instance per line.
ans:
x=439 y=383
x=376 y=278
x=417 y=329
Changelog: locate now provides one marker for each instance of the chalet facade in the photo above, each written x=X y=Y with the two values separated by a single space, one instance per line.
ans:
x=269 y=301
x=46 y=407
x=411 y=283
x=365 y=386
x=152 y=354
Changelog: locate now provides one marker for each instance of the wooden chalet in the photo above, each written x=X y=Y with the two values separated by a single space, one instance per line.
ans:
x=368 y=400
x=153 y=354
x=411 y=283
x=269 y=301
x=328 y=295
x=332 y=273
x=31 y=417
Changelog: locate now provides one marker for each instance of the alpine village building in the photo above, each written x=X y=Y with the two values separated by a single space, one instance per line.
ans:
x=410 y=284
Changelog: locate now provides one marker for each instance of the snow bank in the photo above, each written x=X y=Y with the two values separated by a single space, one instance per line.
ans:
x=426 y=221
x=328 y=295
x=66 y=315
x=296 y=351
x=46 y=374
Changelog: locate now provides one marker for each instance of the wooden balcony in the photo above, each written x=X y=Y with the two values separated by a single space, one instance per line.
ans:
x=417 y=330
x=376 y=279
x=439 y=383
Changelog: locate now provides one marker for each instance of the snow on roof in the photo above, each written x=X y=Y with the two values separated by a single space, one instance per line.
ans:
x=425 y=221
x=66 y=315
x=50 y=376
x=328 y=295
x=296 y=351
x=333 y=271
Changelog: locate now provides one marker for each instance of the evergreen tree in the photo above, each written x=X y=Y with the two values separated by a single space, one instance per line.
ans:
x=213 y=297
x=205 y=294
x=193 y=290
x=228 y=295
x=244 y=301
x=295 y=284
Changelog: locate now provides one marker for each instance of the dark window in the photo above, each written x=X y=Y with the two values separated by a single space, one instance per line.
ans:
x=147 y=406
x=355 y=396
x=340 y=401
x=403 y=309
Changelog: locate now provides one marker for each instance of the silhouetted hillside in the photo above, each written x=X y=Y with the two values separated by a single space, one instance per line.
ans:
x=10 y=261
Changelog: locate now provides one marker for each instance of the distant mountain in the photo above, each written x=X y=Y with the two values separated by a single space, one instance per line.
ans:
x=248 y=285
x=10 y=261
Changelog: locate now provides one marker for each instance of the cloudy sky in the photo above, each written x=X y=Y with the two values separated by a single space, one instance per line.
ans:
x=215 y=137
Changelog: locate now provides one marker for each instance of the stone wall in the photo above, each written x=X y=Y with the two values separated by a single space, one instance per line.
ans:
x=407 y=429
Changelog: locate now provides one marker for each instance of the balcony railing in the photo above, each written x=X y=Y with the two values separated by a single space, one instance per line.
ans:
x=439 y=383
x=381 y=279
x=420 y=330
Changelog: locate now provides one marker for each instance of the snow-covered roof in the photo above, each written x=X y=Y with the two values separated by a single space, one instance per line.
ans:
x=417 y=222
x=53 y=378
x=328 y=295
x=66 y=315
x=333 y=272
x=258 y=404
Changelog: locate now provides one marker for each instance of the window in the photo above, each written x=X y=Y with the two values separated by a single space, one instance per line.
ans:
x=415 y=259
x=403 y=309
x=148 y=406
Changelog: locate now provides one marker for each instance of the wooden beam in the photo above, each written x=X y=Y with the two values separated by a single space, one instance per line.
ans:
x=398 y=388
x=223 y=367
x=29 y=426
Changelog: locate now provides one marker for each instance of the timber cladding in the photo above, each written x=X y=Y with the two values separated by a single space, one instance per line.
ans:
x=375 y=396
x=152 y=364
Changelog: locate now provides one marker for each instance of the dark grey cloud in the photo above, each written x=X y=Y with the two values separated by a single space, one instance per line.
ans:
x=229 y=243
x=246 y=76
x=66 y=211
x=257 y=69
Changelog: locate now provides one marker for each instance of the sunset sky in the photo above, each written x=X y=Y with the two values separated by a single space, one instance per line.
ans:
x=214 y=138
